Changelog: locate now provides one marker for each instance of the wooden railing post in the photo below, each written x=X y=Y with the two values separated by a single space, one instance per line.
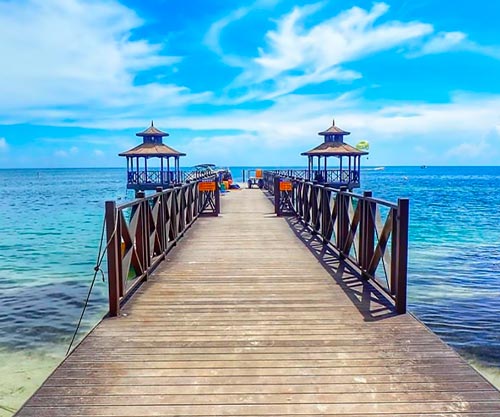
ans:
x=342 y=220
x=145 y=235
x=113 y=258
x=402 y=254
x=277 y=195
x=217 y=197
x=394 y=252
x=326 y=215
x=371 y=212
x=140 y=232
x=366 y=232
x=314 y=208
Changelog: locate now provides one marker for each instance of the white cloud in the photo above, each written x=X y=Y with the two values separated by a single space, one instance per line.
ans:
x=3 y=145
x=76 y=54
x=300 y=55
x=98 y=152
x=213 y=36
x=61 y=154
x=278 y=134
x=441 y=42
x=65 y=153
x=454 y=41
x=293 y=119
x=468 y=151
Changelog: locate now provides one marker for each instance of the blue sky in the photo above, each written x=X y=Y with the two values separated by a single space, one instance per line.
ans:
x=249 y=82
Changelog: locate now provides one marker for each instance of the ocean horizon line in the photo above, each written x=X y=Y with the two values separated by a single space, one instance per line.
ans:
x=255 y=166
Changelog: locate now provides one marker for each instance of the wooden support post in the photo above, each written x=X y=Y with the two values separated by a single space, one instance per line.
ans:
x=402 y=254
x=366 y=232
x=217 y=198
x=113 y=258
x=326 y=215
x=139 y=238
x=145 y=234
x=371 y=209
x=163 y=221
x=173 y=215
x=394 y=252
x=314 y=208
x=342 y=220
x=277 y=195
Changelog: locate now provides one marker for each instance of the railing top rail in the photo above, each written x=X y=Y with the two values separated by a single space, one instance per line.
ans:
x=381 y=202
x=132 y=203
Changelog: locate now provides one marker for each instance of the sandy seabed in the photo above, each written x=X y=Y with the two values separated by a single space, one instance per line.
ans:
x=490 y=373
x=21 y=373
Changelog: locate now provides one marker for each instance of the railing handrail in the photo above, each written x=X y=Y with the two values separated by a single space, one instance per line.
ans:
x=353 y=227
x=141 y=232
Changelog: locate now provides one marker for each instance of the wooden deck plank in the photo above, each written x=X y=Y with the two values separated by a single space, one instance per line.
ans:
x=243 y=320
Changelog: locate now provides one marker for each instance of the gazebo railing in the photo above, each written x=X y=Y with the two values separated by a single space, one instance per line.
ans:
x=372 y=234
x=152 y=178
x=333 y=176
x=156 y=178
x=140 y=233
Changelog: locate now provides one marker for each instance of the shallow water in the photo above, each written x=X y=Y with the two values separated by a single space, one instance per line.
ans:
x=454 y=258
x=51 y=223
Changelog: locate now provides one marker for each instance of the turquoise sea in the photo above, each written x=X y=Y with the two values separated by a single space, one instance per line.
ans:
x=50 y=222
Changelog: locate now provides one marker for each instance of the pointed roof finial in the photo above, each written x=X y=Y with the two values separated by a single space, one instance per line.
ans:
x=152 y=131
x=334 y=130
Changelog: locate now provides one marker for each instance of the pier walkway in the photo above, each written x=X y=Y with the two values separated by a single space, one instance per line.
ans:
x=249 y=316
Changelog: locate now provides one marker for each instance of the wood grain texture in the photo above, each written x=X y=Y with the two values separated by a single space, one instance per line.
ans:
x=250 y=316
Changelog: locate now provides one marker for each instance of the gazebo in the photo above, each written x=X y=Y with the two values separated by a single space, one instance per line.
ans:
x=346 y=174
x=140 y=177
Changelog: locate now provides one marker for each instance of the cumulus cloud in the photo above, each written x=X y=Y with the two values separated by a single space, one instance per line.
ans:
x=291 y=124
x=76 y=54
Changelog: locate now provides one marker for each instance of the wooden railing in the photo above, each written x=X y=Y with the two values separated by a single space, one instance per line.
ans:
x=140 y=233
x=370 y=233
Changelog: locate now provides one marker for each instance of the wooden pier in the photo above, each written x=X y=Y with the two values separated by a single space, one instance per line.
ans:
x=250 y=315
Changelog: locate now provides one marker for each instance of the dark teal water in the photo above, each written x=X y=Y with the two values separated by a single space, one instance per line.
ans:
x=50 y=222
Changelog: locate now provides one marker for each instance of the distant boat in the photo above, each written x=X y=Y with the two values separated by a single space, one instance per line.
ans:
x=423 y=166
x=379 y=169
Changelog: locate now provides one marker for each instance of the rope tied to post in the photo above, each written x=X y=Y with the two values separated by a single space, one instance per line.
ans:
x=97 y=268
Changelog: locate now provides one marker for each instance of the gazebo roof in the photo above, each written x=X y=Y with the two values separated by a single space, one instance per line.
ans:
x=334 y=130
x=334 y=149
x=152 y=149
x=152 y=131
